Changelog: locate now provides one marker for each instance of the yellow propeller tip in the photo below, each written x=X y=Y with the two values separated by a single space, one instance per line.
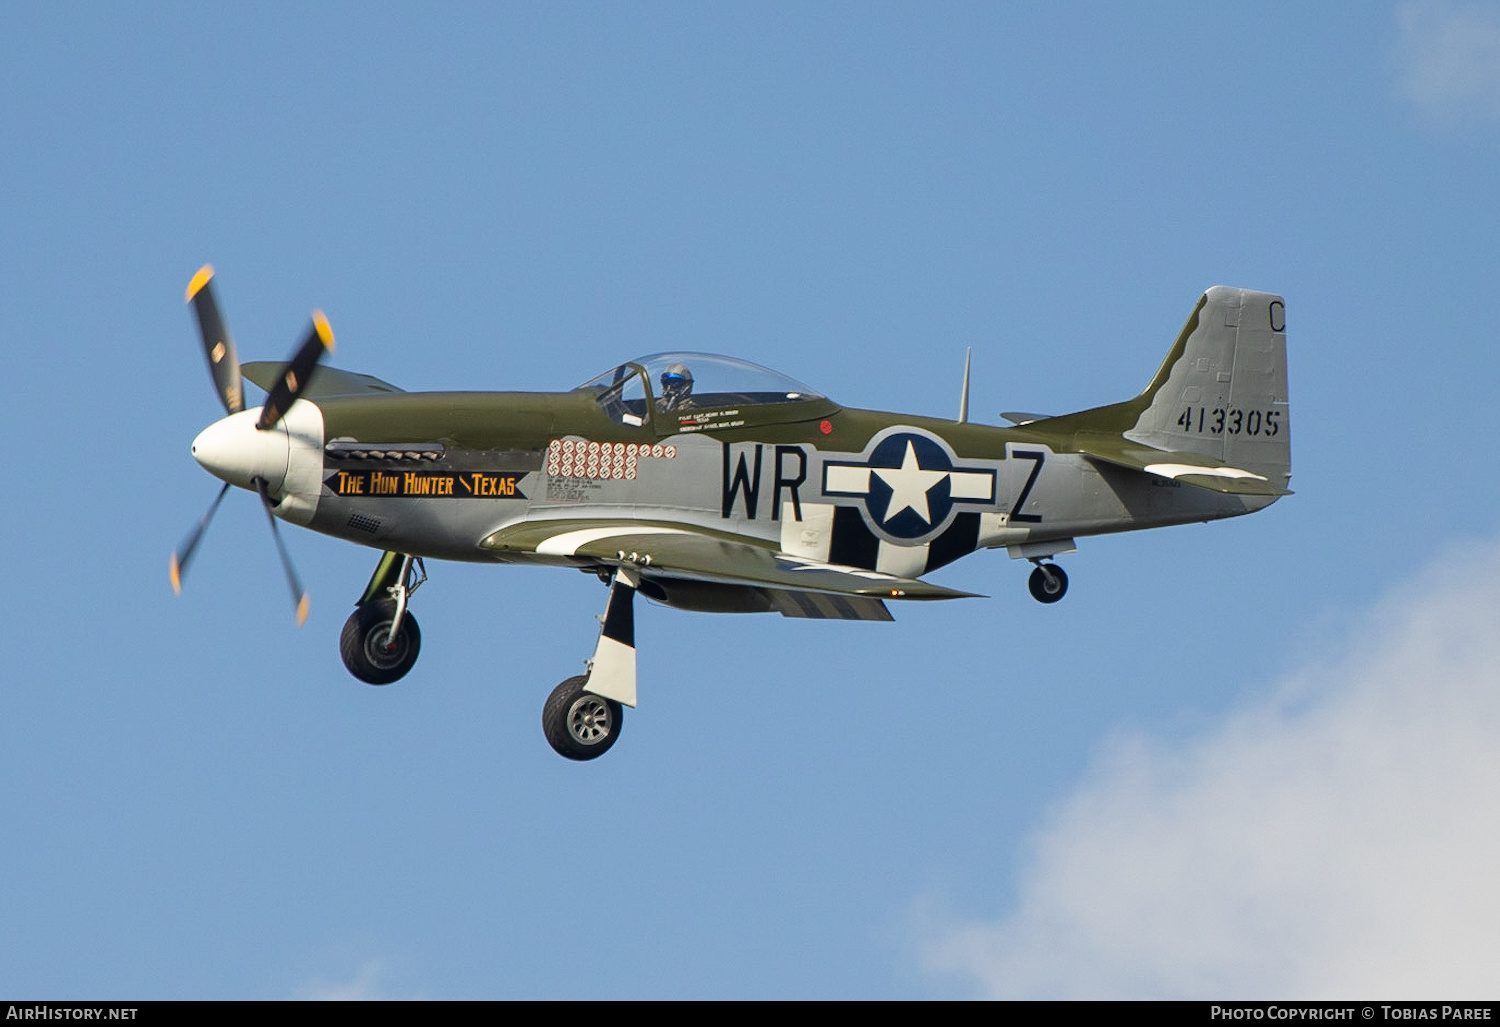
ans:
x=325 y=330
x=302 y=610
x=176 y=576
x=199 y=281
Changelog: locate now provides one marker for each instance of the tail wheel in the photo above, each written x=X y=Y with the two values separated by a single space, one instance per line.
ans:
x=368 y=649
x=1048 y=583
x=579 y=724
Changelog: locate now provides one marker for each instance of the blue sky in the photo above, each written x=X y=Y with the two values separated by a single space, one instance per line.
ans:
x=1240 y=759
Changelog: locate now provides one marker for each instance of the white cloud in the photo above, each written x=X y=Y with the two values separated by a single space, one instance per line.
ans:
x=364 y=987
x=1448 y=59
x=1340 y=839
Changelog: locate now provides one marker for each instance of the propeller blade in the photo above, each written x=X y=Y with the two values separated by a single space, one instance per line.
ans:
x=189 y=546
x=297 y=371
x=223 y=361
x=298 y=595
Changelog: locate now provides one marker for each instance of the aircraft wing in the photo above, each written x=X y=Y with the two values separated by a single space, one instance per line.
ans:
x=676 y=551
x=325 y=381
x=1192 y=468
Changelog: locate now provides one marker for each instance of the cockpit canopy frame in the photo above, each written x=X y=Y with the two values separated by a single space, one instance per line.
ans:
x=723 y=391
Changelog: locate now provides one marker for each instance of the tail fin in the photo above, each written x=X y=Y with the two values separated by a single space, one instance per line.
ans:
x=1222 y=391
x=1219 y=401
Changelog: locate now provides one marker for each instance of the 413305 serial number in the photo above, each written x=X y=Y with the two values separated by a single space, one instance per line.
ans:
x=1233 y=421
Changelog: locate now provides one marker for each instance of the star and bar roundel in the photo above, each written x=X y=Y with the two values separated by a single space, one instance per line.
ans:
x=909 y=484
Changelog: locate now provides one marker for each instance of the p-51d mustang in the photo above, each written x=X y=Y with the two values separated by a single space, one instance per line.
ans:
x=712 y=484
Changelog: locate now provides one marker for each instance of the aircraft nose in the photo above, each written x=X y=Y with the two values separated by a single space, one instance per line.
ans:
x=232 y=450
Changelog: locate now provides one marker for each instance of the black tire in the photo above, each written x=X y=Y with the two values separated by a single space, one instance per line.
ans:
x=1045 y=589
x=363 y=643
x=579 y=724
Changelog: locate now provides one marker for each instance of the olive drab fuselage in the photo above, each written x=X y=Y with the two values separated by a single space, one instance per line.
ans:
x=710 y=483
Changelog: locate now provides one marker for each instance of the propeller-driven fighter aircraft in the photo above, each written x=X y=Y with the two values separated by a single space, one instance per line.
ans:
x=713 y=484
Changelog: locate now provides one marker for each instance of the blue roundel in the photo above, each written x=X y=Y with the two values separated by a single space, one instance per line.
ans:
x=910 y=486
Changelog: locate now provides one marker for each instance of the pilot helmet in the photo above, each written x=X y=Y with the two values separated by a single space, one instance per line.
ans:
x=676 y=382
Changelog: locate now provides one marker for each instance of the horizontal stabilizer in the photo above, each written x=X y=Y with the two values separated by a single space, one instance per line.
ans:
x=326 y=382
x=1190 y=468
x=1016 y=417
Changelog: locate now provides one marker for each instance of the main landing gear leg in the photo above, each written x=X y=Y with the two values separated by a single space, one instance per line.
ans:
x=1048 y=583
x=380 y=641
x=583 y=715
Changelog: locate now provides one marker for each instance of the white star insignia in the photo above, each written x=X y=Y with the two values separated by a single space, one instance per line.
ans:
x=909 y=486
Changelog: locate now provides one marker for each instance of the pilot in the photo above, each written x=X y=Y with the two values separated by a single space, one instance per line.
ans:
x=676 y=387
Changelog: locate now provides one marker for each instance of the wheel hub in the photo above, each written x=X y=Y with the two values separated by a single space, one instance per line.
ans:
x=589 y=720
x=382 y=650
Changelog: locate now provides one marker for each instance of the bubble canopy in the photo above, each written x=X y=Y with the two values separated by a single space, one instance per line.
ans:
x=715 y=379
